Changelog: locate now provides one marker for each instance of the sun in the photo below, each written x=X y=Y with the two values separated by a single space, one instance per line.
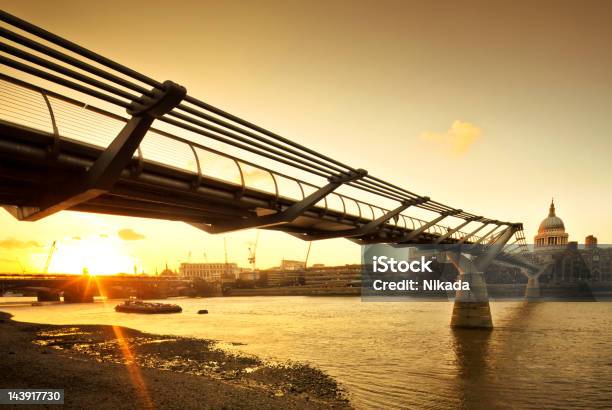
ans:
x=97 y=255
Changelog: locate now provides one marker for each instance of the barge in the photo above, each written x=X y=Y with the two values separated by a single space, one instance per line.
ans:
x=137 y=306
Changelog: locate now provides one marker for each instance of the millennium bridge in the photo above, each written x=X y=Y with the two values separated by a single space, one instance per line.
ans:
x=135 y=146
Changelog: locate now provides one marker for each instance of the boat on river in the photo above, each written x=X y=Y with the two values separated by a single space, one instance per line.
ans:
x=138 y=306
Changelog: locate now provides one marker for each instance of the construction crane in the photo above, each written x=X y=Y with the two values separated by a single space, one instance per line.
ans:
x=18 y=262
x=48 y=262
x=23 y=269
x=226 y=270
x=253 y=252
x=307 y=254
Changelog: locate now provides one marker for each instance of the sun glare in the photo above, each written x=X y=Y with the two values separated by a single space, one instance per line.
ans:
x=96 y=255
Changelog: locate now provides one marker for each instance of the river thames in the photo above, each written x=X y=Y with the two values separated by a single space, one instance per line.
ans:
x=399 y=354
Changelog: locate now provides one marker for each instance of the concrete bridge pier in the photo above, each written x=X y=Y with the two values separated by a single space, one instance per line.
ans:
x=471 y=309
x=81 y=291
x=532 y=290
x=47 y=296
x=78 y=296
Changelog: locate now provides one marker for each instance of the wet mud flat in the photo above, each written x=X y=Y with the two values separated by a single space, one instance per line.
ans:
x=116 y=367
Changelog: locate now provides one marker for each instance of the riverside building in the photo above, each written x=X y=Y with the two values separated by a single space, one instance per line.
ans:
x=210 y=272
x=570 y=262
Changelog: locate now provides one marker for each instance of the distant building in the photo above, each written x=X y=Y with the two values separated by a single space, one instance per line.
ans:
x=570 y=262
x=551 y=234
x=211 y=272
x=599 y=262
x=292 y=265
x=334 y=276
x=289 y=273
x=321 y=276
x=287 y=277
x=590 y=242
x=248 y=275
x=168 y=272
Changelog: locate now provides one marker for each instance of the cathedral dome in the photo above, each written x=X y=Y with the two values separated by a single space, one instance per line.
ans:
x=552 y=222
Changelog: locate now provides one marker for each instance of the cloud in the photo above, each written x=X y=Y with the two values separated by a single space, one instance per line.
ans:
x=130 y=235
x=12 y=243
x=457 y=140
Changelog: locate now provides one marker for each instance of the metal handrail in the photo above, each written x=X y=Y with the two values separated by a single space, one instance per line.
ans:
x=192 y=114
x=193 y=145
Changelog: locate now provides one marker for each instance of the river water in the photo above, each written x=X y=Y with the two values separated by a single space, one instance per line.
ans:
x=546 y=355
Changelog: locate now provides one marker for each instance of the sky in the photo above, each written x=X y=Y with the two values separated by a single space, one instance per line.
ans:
x=491 y=107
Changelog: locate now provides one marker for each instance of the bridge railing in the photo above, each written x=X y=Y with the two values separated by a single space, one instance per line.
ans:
x=67 y=119
x=39 y=53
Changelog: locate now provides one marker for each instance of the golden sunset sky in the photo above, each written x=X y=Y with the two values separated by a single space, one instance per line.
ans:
x=492 y=107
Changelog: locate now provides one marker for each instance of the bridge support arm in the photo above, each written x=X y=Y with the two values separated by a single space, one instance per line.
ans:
x=471 y=308
x=452 y=231
x=289 y=214
x=367 y=228
x=417 y=232
x=532 y=290
x=508 y=247
x=106 y=170
x=495 y=248
x=474 y=232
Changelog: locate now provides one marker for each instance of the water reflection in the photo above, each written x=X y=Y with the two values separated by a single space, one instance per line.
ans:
x=484 y=358
x=398 y=355
x=520 y=314
x=471 y=348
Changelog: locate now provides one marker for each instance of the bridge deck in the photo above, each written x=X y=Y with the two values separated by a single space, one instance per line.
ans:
x=150 y=188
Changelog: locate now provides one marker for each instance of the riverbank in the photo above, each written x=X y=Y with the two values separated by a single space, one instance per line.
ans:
x=112 y=367
x=585 y=291
x=295 y=291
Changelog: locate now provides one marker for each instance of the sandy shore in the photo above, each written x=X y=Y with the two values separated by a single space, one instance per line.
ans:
x=107 y=367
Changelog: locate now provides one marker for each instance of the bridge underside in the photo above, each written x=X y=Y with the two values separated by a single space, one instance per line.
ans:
x=152 y=190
